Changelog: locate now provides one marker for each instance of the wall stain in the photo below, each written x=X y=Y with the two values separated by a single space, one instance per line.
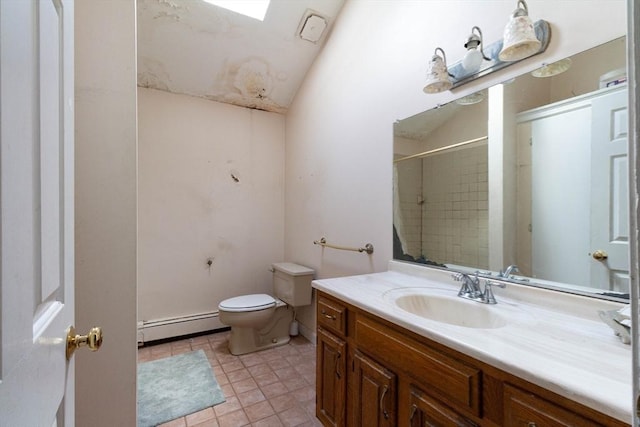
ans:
x=248 y=83
x=154 y=75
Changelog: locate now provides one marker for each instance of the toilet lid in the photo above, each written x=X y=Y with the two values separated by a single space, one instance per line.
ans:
x=251 y=302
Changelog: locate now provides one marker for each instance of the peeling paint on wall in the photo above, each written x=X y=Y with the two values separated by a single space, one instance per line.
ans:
x=253 y=79
x=248 y=83
x=155 y=76
x=198 y=49
x=197 y=17
x=255 y=104
x=171 y=4
x=172 y=16
x=151 y=81
x=168 y=9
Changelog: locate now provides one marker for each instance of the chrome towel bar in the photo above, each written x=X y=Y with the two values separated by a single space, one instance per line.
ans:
x=368 y=248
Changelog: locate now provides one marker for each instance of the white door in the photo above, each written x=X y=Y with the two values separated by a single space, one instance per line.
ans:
x=560 y=159
x=36 y=207
x=609 y=192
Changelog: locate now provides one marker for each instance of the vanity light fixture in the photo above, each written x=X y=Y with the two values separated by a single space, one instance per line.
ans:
x=472 y=60
x=522 y=39
x=438 y=79
x=519 y=40
x=553 y=69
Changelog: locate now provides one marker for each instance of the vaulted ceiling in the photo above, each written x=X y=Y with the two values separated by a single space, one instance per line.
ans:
x=192 y=47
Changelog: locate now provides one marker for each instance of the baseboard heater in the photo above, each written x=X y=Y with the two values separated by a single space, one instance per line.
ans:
x=157 y=329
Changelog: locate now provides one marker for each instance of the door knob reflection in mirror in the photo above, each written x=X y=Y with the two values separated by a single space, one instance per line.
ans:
x=599 y=255
x=93 y=340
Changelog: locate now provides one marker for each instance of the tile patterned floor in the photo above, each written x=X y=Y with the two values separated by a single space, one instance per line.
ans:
x=274 y=387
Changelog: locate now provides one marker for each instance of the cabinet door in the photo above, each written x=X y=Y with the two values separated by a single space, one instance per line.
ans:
x=427 y=412
x=372 y=390
x=331 y=379
x=526 y=409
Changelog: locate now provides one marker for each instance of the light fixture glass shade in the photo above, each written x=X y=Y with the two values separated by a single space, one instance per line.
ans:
x=473 y=98
x=553 y=69
x=438 y=79
x=520 y=40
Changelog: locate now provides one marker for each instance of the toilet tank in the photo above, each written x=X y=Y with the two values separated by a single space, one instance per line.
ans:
x=292 y=283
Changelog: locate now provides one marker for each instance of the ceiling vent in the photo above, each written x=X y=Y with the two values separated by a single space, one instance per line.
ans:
x=312 y=26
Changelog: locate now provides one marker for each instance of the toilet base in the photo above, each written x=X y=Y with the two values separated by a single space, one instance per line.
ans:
x=275 y=333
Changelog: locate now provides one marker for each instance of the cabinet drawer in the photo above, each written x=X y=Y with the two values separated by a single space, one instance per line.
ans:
x=426 y=411
x=525 y=409
x=443 y=376
x=332 y=315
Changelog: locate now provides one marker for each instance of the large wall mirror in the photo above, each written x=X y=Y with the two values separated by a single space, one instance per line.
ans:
x=530 y=173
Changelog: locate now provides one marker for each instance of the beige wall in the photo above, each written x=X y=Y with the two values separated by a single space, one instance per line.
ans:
x=105 y=248
x=191 y=208
x=466 y=123
x=371 y=73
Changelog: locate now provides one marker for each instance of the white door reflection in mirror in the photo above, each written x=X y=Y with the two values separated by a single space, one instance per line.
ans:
x=609 y=192
x=573 y=159
x=560 y=158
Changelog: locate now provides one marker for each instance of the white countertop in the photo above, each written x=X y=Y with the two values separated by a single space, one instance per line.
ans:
x=552 y=339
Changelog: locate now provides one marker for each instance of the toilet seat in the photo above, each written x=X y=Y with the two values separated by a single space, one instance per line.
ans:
x=244 y=303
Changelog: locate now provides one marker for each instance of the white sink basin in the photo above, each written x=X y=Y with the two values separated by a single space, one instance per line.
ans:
x=452 y=310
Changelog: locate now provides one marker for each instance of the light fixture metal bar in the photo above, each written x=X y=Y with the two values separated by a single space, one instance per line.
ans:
x=445 y=148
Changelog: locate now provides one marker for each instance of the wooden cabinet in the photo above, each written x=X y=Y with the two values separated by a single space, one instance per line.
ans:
x=331 y=380
x=372 y=393
x=371 y=372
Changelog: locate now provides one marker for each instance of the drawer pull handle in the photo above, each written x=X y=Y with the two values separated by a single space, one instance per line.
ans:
x=531 y=424
x=328 y=316
x=338 y=355
x=384 y=410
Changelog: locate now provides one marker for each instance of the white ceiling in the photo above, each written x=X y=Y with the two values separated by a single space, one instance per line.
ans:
x=194 y=48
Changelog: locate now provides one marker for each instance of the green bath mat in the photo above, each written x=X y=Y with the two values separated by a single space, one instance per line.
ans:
x=176 y=386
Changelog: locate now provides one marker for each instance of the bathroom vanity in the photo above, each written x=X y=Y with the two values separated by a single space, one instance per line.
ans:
x=537 y=358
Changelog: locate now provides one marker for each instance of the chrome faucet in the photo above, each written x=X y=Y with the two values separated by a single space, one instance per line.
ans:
x=470 y=285
x=470 y=288
x=488 y=297
x=507 y=271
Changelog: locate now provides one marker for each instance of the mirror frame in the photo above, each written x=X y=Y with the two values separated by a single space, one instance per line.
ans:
x=633 y=72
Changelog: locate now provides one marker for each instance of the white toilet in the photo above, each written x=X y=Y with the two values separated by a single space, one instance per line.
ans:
x=260 y=321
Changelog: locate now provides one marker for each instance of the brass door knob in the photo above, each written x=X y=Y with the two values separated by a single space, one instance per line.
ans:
x=93 y=340
x=599 y=255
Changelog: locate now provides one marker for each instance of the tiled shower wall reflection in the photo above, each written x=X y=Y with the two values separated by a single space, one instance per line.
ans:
x=455 y=214
x=445 y=206
x=410 y=194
